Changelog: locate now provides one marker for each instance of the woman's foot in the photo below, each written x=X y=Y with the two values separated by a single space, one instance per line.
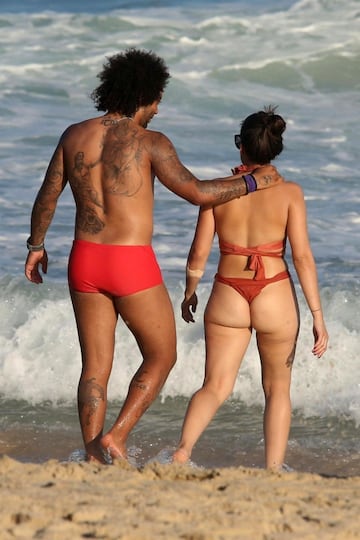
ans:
x=181 y=456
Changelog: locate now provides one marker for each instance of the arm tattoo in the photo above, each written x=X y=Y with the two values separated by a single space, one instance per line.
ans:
x=46 y=200
x=172 y=173
x=216 y=188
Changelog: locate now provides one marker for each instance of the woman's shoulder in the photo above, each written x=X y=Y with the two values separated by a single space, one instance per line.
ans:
x=284 y=191
x=292 y=188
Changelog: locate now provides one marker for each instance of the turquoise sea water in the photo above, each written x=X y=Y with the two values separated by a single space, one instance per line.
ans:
x=226 y=60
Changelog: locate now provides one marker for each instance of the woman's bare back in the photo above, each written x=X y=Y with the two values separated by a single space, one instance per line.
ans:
x=259 y=219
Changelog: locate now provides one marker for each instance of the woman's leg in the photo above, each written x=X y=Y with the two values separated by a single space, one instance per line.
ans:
x=276 y=320
x=149 y=316
x=227 y=335
x=96 y=321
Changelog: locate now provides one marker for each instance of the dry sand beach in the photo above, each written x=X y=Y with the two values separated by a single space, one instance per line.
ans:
x=70 y=501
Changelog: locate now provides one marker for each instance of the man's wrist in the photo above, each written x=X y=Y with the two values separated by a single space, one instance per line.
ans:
x=33 y=247
x=250 y=183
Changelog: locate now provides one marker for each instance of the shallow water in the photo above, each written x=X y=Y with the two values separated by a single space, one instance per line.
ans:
x=233 y=439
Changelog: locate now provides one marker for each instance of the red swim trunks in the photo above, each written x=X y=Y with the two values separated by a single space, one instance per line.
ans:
x=114 y=269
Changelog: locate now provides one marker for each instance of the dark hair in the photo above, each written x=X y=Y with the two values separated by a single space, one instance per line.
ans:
x=261 y=135
x=130 y=80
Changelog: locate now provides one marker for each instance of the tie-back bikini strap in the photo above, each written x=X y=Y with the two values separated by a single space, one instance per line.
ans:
x=255 y=254
x=272 y=249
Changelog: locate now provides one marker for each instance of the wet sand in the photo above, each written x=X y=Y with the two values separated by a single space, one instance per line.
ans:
x=70 y=501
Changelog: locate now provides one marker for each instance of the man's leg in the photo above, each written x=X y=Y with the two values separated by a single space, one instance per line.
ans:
x=96 y=319
x=149 y=316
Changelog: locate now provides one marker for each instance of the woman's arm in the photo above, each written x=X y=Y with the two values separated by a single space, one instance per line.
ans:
x=196 y=261
x=305 y=266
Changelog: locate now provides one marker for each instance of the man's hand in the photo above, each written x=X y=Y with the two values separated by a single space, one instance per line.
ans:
x=33 y=260
x=267 y=176
x=188 y=307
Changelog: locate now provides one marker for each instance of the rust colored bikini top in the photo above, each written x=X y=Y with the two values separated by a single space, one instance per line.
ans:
x=255 y=254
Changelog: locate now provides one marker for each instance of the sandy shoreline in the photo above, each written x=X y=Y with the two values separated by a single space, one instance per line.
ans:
x=69 y=501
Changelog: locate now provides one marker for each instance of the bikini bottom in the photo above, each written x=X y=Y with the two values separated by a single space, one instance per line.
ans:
x=250 y=288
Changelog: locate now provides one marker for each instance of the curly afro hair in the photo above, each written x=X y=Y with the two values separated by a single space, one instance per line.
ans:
x=130 y=80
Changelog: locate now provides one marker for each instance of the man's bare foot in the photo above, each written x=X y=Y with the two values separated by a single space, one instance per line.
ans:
x=94 y=453
x=181 y=456
x=112 y=449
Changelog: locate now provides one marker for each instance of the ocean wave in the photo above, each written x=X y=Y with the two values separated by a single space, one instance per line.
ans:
x=316 y=51
x=40 y=350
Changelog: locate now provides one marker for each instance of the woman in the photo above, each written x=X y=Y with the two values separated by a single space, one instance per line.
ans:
x=253 y=290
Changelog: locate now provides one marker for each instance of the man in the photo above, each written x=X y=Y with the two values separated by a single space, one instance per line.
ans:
x=110 y=163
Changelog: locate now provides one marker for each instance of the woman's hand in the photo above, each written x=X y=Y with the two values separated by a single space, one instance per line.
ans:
x=188 y=307
x=321 y=336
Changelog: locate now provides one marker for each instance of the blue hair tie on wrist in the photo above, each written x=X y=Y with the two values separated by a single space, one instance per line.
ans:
x=250 y=182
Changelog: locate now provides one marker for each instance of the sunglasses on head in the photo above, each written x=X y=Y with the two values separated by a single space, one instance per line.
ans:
x=237 y=140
